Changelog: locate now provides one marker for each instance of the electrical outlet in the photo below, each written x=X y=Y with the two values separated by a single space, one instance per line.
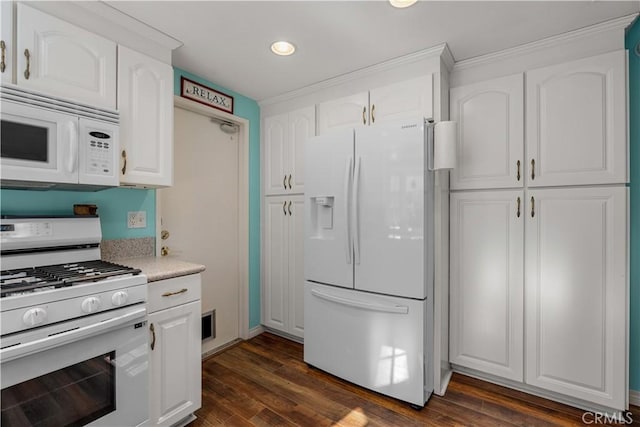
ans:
x=137 y=219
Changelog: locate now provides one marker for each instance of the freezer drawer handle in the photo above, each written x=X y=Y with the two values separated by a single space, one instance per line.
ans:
x=399 y=309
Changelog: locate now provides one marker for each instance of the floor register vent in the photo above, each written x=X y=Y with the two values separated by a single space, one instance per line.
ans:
x=209 y=325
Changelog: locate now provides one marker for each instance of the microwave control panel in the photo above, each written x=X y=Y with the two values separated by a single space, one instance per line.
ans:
x=100 y=153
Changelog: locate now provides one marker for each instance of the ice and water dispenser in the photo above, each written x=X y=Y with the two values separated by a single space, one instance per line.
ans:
x=321 y=215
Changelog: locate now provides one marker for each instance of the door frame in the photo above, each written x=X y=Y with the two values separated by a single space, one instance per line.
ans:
x=243 y=204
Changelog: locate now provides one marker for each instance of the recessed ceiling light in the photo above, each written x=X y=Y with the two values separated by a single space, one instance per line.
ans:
x=282 y=48
x=400 y=4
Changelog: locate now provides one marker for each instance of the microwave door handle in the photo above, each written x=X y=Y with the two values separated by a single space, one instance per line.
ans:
x=73 y=146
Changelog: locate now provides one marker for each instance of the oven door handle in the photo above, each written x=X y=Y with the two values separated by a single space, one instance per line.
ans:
x=57 y=340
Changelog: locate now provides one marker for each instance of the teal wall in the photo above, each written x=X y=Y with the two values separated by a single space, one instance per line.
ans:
x=632 y=39
x=113 y=205
x=248 y=109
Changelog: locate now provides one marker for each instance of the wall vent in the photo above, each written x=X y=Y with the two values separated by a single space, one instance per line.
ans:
x=209 y=325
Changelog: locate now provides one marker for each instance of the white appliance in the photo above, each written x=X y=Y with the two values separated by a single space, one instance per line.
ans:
x=50 y=142
x=73 y=336
x=368 y=254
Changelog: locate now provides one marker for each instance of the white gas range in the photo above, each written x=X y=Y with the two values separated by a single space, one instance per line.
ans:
x=73 y=342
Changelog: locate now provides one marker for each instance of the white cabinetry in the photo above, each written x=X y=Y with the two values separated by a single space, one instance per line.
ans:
x=576 y=302
x=283 y=281
x=406 y=98
x=576 y=122
x=61 y=59
x=490 y=118
x=6 y=47
x=284 y=137
x=487 y=232
x=175 y=349
x=145 y=101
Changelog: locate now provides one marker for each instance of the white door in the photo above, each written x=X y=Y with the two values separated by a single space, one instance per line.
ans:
x=342 y=113
x=576 y=122
x=487 y=255
x=276 y=271
x=388 y=210
x=174 y=385
x=6 y=34
x=61 y=59
x=302 y=125
x=145 y=101
x=200 y=212
x=328 y=248
x=295 y=314
x=409 y=98
x=576 y=286
x=275 y=154
x=490 y=117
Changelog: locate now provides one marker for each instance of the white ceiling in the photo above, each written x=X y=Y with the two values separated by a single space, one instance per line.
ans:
x=227 y=42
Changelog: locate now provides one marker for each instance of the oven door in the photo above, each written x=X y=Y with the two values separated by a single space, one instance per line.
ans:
x=38 y=144
x=94 y=374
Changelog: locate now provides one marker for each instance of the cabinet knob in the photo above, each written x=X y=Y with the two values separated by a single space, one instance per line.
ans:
x=164 y=251
x=27 y=73
x=3 y=48
x=164 y=234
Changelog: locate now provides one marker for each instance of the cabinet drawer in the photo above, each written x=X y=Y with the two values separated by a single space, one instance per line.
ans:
x=172 y=292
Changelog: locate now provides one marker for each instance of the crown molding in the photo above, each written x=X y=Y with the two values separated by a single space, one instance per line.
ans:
x=614 y=24
x=441 y=50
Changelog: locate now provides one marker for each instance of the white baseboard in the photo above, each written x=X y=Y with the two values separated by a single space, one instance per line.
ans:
x=254 y=332
x=634 y=397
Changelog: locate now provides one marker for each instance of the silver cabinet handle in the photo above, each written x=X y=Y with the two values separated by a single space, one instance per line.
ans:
x=181 y=291
x=153 y=336
x=3 y=48
x=533 y=169
x=518 y=209
x=27 y=55
x=533 y=207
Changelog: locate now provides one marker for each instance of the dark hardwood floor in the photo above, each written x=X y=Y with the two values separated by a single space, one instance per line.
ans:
x=265 y=382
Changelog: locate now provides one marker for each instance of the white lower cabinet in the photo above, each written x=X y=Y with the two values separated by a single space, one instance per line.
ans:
x=174 y=349
x=283 y=281
x=565 y=330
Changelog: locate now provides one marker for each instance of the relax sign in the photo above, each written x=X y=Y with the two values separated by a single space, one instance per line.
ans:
x=205 y=95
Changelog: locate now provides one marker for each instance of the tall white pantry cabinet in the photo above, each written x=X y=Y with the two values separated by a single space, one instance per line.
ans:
x=539 y=230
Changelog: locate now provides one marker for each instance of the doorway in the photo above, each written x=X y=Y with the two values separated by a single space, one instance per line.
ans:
x=205 y=213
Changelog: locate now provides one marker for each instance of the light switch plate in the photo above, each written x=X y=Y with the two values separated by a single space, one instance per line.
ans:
x=137 y=219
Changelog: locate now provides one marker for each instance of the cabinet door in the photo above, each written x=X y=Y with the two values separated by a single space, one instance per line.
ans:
x=490 y=117
x=348 y=112
x=276 y=273
x=302 y=125
x=576 y=287
x=6 y=33
x=64 y=60
x=145 y=101
x=487 y=231
x=408 y=98
x=576 y=122
x=275 y=154
x=174 y=364
x=295 y=318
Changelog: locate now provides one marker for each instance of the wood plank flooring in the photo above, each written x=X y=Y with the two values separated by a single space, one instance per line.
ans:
x=265 y=382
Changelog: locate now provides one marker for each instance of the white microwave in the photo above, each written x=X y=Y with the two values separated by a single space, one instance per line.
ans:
x=53 y=143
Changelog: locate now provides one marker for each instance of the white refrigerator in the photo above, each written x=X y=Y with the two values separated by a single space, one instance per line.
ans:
x=368 y=258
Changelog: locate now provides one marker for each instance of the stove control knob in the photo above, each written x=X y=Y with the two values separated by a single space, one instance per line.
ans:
x=91 y=305
x=34 y=316
x=119 y=298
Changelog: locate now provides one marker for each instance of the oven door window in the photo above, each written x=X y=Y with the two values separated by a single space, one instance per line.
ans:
x=72 y=396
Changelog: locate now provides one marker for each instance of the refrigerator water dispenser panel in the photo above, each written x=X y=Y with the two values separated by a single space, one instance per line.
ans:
x=322 y=215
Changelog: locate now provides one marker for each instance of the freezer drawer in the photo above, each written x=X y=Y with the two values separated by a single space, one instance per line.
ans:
x=375 y=341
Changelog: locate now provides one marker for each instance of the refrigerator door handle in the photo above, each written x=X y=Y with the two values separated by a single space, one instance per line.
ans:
x=356 y=213
x=398 y=309
x=347 y=188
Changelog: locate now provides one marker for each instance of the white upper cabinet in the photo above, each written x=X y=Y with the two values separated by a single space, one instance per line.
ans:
x=6 y=44
x=576 y=122
x=490 y=121
x=576 y=293
x=62 y=59
x=284 y=137
x=486 y=297
x=347 y=112
x=145 y=101
x=407 y=98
